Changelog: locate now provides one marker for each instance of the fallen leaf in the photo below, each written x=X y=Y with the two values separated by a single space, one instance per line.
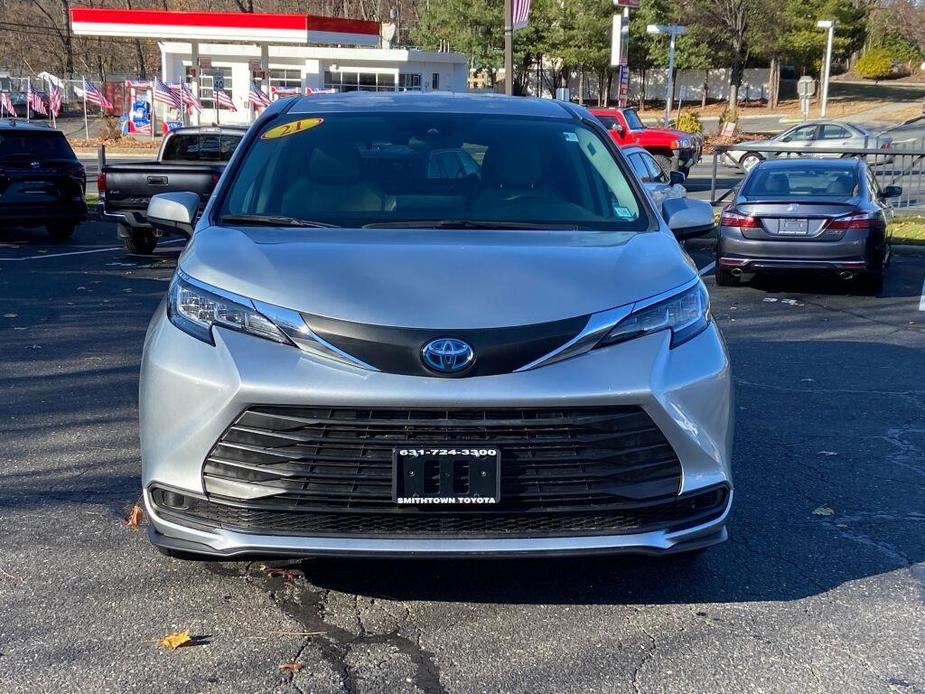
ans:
x=770 y=299
x=823 y=511
x=173 y=641
x=828 y=453
x=288 y=574
x=290 y=667
x=135 y=516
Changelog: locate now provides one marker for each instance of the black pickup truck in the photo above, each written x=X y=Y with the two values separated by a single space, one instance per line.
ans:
x=190 y=159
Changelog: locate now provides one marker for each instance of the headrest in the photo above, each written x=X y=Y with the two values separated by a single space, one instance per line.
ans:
x=514 y=167
x=336 y=165
x=778 y=184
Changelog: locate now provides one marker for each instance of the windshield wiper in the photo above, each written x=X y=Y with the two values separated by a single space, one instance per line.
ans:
x=466 y=224
x=271 y=220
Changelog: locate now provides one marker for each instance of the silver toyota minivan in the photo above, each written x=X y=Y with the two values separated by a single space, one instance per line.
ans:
x=433 y=325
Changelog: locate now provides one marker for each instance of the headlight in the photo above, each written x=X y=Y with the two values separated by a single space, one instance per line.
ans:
x=686 y=314
x=683 y=143
x=194 y=310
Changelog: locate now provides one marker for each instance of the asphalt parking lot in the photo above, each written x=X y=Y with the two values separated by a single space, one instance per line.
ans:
x=821 y=587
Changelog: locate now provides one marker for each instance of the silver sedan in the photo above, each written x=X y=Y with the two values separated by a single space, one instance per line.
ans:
x=806 y=139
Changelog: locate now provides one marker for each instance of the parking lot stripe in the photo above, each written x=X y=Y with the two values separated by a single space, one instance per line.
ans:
x=95 y=250
x=922 y=298
x=707 y=268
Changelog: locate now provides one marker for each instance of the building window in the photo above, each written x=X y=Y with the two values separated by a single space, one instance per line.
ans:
x=409 y=83
x=205 y=84
x=435 y=81
x=286 y=79
x=348 y=81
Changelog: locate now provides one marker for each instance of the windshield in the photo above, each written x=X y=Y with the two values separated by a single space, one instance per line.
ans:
x=802 y=181
x=200 y=147
x=632 y=120
x=393 y=168
x=37 y=145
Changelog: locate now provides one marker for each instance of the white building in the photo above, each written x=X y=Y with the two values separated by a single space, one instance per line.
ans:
x=280 y=53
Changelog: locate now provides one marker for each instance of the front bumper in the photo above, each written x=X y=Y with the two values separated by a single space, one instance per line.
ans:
x=191 y=392
x=686 y=158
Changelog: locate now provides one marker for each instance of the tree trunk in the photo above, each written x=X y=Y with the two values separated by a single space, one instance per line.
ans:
x=774 y=83
x=68 y=40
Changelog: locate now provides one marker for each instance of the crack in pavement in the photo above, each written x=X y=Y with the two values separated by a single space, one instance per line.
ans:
x=308 y=606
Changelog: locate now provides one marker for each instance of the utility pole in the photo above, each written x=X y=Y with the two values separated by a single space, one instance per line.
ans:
x=509 y=47
x=829 y=25
x=673 y=31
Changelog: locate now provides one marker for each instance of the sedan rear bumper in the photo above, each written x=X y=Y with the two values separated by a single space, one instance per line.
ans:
x=852 y=252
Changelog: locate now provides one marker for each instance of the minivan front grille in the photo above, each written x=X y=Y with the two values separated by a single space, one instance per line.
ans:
x=340 y=459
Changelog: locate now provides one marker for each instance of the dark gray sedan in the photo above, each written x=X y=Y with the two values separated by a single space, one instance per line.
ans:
x=828 y=216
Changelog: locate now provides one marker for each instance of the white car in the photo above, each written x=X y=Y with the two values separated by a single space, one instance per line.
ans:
x=660 y=184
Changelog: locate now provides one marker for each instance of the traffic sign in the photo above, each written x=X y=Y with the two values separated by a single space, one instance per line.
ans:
x=218 y=80
x=806 y=86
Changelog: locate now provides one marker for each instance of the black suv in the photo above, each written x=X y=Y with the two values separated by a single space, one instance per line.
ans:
x=41 y=181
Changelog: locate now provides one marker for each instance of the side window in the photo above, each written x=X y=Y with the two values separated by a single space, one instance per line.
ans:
x=639 y=166
x=834 y=132
x=655 y=171
x=801 y=134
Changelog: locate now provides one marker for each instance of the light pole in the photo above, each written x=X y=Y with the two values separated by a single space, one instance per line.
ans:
x=673 y=31
x=829 y=25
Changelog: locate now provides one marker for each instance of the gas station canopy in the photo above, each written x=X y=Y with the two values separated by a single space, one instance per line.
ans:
x=224 y=26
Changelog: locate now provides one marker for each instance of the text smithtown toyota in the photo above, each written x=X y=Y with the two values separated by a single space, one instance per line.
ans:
x=433 y=325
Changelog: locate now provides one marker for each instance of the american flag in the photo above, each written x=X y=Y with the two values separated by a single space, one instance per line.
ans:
x=163 y=94
x=521 y=12
x=222 y=100
x=54 y=100
x=35 y=101
x=143 y=128
x=6 y=104
x=189 y=99
x=257 y=97
x=95 y=96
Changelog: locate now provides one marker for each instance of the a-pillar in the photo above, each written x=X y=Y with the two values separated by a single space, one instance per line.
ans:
x=265 y=67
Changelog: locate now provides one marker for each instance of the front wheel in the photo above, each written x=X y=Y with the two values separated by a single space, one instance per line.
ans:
x=61 y=230
x=140 y=242
x=750 y=161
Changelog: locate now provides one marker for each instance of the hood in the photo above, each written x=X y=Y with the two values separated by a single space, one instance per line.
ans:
x=660 y=136
x=443 y=279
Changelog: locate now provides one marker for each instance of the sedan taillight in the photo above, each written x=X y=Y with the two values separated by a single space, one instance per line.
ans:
x=852 y=221
x=734 y=218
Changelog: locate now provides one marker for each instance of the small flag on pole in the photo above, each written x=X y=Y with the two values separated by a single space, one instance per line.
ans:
x=189 y=99
x=35 y=101
x=257 y=97
x=6 y=104
x=163 y=95
x=54 y=100
x=95 y=96
x=223 y=100
x=521 y=12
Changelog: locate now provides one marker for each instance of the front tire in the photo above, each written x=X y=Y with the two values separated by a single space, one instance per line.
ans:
x=750 y=161
x=140 y=242
x=61 y=230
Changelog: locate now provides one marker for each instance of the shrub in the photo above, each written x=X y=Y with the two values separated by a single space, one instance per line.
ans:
x=110 y=128
x=875 y=64
x=689 y=122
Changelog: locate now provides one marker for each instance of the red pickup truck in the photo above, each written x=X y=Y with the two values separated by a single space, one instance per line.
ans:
x=675 y=150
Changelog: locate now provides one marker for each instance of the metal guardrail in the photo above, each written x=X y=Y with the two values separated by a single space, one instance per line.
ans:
x=901 y=165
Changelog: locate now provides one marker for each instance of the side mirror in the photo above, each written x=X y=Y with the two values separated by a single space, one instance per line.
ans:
x=173 y=212
x=687 y=217
x=891 y=192
x=617 y=128
x=676 y=178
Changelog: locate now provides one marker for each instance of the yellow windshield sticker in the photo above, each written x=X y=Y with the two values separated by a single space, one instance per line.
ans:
x=291 y=128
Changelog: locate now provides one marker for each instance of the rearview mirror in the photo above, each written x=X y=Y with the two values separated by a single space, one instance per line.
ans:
x=891 y=192
x=688 y=218
x=173 y=212
x=676 y=178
